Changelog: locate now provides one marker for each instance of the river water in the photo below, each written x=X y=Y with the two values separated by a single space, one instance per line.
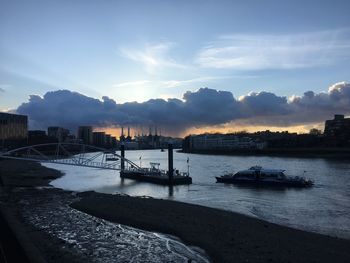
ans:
x=324 y=208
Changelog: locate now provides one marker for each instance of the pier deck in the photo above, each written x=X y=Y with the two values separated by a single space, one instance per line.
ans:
x=156 y=179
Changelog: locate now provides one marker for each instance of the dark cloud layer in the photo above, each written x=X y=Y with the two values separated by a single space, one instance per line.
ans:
x=265 y=103
x=204 y=107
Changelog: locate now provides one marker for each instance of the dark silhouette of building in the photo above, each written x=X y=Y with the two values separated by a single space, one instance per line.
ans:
x=221 y=142
x=85 y=134
x=61 y=134
x=339 y=127
x=99 y=139
x=39 y=137
x=13 y=126
x=108 y=141
x=114 y=142
x=13 y=130
x=36 y=133
x=337 y=131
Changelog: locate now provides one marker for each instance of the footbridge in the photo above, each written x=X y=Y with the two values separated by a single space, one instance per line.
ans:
x=73 y=154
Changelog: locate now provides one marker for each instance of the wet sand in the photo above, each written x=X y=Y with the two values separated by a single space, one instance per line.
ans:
x=15 y=173
x=225 y=236
x=24 y=242
x=47 y=229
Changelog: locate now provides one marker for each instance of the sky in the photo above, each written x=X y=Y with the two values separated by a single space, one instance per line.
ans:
x=124 y=53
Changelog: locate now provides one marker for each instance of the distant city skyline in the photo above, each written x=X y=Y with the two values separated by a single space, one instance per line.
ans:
x=271 y=64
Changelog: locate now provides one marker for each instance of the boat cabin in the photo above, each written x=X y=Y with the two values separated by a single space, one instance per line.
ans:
x=259 y=172
x=154 y=166
x=111 y=157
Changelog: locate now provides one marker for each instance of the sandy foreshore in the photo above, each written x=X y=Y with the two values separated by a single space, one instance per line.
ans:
x=225 y=236
x=15 y=173
x=23 y=242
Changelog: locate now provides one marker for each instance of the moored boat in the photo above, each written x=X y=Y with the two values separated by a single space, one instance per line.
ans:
x=156 y=175
x=111 y=157
x=256 y=175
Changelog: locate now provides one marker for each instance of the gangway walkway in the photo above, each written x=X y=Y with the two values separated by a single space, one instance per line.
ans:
x=72 y=154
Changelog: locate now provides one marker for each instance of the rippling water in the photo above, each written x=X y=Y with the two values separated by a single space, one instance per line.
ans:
x=324 y=208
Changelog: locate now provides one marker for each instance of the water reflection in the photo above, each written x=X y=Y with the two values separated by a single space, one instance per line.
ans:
x=171 y=191
x=261 y=188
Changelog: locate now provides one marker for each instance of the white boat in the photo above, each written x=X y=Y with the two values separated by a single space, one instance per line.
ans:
x=259 y=176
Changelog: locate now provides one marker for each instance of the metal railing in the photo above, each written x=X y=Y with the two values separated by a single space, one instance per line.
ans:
x=71 y=154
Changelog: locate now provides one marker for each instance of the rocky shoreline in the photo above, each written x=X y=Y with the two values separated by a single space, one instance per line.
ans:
x=225 y=236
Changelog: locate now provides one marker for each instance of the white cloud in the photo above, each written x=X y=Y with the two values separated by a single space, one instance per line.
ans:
x=153 y=56
x=258 y=52
x=176 y=83
x=132 y=83
x=337 y=87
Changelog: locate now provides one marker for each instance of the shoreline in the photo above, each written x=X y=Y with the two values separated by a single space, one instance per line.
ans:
x=225 y=236
x=311 y=153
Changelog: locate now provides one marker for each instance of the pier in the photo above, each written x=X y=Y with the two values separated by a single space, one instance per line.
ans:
x=96 y=157
x=154 y=174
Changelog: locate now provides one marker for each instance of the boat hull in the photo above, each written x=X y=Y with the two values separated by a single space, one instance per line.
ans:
x=156 y=179
x=290 y=183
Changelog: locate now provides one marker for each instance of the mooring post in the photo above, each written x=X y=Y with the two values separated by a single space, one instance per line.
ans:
x=122 y=153
x=170 y=163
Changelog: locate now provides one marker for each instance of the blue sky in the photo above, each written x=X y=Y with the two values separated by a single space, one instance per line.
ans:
x=138 y=50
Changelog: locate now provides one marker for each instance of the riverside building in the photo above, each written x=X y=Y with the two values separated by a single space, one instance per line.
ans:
x=85 y=134
x=338 y=127
x=99 y=139
x=13 y=126
x=59 y=133
x=222 y=142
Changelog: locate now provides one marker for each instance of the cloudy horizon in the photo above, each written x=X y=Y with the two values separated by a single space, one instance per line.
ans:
x=203 y=109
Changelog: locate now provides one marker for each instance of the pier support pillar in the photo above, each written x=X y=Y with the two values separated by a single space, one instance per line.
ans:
x=170 y=163
x=122 y=153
